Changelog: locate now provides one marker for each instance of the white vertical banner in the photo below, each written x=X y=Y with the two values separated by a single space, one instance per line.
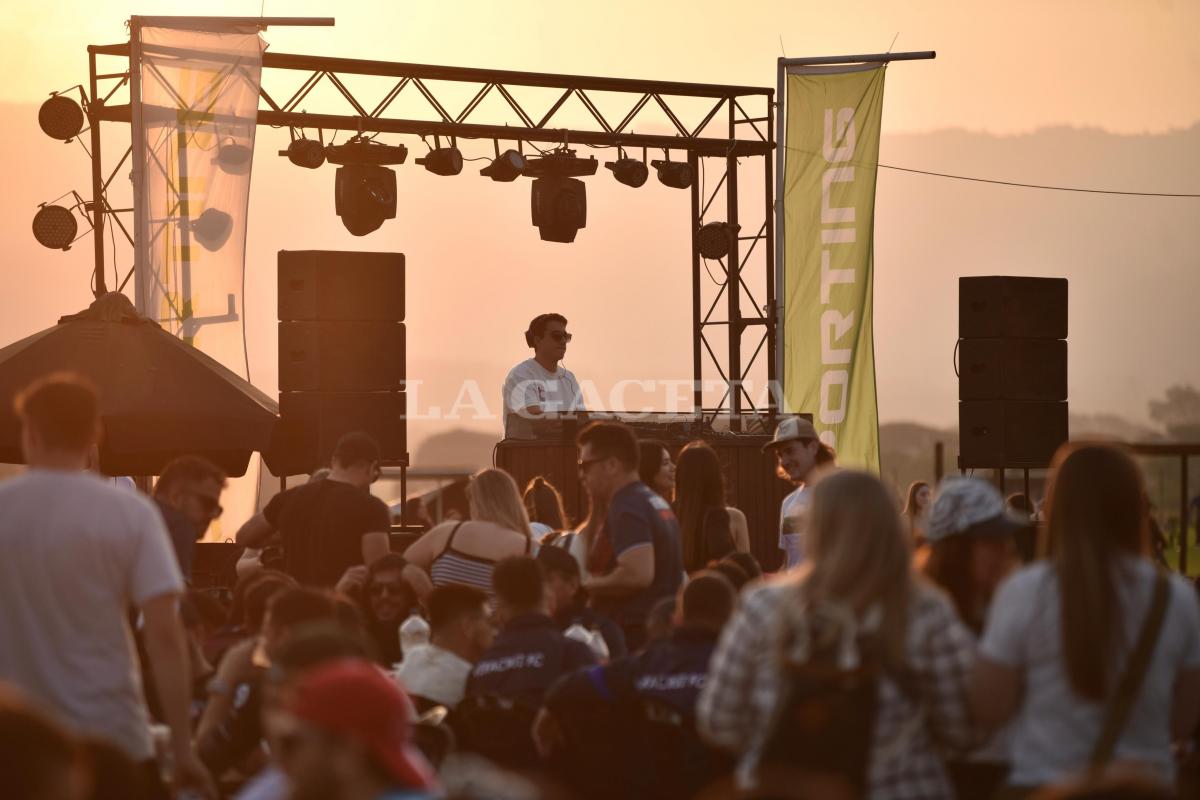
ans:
x=196 y=110
x=199 y=106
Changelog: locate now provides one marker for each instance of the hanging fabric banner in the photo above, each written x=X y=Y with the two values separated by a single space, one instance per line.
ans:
x=199 y=105
x=831 y=148
x=194 y=117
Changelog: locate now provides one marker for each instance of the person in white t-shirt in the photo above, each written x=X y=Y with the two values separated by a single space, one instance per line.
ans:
x=78 y=552
x=540 y=385
x=798 y=452
x=1060 y=634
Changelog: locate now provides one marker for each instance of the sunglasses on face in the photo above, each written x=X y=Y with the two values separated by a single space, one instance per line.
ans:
x=381 y=589
x=560 y=336
x=585 y=464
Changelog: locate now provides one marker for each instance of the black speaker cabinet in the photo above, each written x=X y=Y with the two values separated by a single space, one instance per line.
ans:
x=332 y=285
x=1012 y=369
x=1010 y=433
x=310 y=423
x=1027 y=308
x=341 y=356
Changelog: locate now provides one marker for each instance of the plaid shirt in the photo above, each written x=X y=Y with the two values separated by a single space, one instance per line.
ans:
x=744 y=685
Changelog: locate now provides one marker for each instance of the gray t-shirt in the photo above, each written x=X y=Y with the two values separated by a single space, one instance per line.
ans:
x=1055 y=730
x=75 y=554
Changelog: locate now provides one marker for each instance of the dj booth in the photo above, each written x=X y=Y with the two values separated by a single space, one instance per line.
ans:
x=751 y=484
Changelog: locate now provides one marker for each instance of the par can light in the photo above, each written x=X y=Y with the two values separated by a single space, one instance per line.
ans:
x=55 y=227
x=629 y=171
x=507 y=167
x=676 y=174
x=60 y=117
x=307 y=153
x=442 y=161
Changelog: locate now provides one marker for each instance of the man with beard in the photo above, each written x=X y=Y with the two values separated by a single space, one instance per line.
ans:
x=798 y=452
x=386 y=599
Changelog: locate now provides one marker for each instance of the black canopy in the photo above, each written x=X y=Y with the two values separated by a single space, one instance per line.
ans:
x=159 y=396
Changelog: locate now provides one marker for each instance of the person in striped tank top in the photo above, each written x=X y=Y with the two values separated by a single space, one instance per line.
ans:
x=466 y=552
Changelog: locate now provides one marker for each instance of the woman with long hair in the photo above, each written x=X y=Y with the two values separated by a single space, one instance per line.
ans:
x=708 y=529
x=465 y=551
x=917 y=505
x=545 y=507
x=854 y=608
x=1061 y=635
x=655 y=467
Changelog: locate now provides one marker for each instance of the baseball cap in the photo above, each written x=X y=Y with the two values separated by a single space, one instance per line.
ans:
x=970 y=506
x=355 y=700
x=790 y=429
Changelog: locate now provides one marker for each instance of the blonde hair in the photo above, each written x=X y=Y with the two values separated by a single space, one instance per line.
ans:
x=492 y=496
x=859 y=554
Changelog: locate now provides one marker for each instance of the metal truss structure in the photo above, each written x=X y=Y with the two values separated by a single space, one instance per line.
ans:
x=732 y=325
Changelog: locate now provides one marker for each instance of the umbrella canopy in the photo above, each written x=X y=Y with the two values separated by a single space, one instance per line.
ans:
x=159 y=397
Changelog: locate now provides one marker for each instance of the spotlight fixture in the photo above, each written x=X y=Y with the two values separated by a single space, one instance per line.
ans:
x=234 y=158
x=629 y=171
x=212 y=229
x=55 y=227
x=364 y=196
x=713 y=239
x=307 y=153
x=506 y=167
x=443 y=161
x=559 y=207
x=60 y=117
x=676 y=174
x=362 y=150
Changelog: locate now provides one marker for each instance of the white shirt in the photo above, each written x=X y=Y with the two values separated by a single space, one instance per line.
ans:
x=1055 y=730
x=76 y=553
x=793 y=518
x=531 y=384
x=433 y=673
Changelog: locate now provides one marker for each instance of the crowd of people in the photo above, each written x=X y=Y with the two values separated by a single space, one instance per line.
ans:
x=639 y=652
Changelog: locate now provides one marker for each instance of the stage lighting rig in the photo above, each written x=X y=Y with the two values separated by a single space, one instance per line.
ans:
x=713 y=239
x=442 y=160
x=212 y=229
x=364 y=191
x=676 y=174
x=629 y=171
x=506 y=167
x=55 y=227
x=60 y=117
x=307 y=153
x=234 y=158
x=362 y=150
x=558 y=202
x=364 y=196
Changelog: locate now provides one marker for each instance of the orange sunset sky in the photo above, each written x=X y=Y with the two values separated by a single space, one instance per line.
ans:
x=1098 y=94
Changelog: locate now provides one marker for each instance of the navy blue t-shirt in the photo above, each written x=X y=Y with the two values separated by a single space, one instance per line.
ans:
x=637 y=517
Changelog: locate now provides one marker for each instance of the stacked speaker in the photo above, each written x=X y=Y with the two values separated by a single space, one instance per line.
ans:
x=1012 y=356
x=341 y=355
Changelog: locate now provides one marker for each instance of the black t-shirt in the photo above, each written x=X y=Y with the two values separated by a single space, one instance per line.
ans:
x=322 y=524
x=638 y=517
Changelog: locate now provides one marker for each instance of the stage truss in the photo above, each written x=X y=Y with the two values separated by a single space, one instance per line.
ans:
x=733 y=326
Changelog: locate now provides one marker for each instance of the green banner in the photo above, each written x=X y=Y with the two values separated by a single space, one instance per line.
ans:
x=828 y=200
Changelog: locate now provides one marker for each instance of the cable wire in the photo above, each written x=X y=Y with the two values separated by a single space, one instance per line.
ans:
x=1035 y=185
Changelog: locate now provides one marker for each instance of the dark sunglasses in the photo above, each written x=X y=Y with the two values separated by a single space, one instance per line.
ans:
x=586 y=464
x=560 y=336
x=380 y=589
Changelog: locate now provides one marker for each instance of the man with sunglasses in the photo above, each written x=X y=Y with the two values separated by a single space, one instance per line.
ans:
x=331 y=525
x=188 y=493
x=540 y=385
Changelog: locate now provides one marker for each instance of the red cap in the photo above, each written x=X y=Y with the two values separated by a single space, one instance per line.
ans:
x=354 y=699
